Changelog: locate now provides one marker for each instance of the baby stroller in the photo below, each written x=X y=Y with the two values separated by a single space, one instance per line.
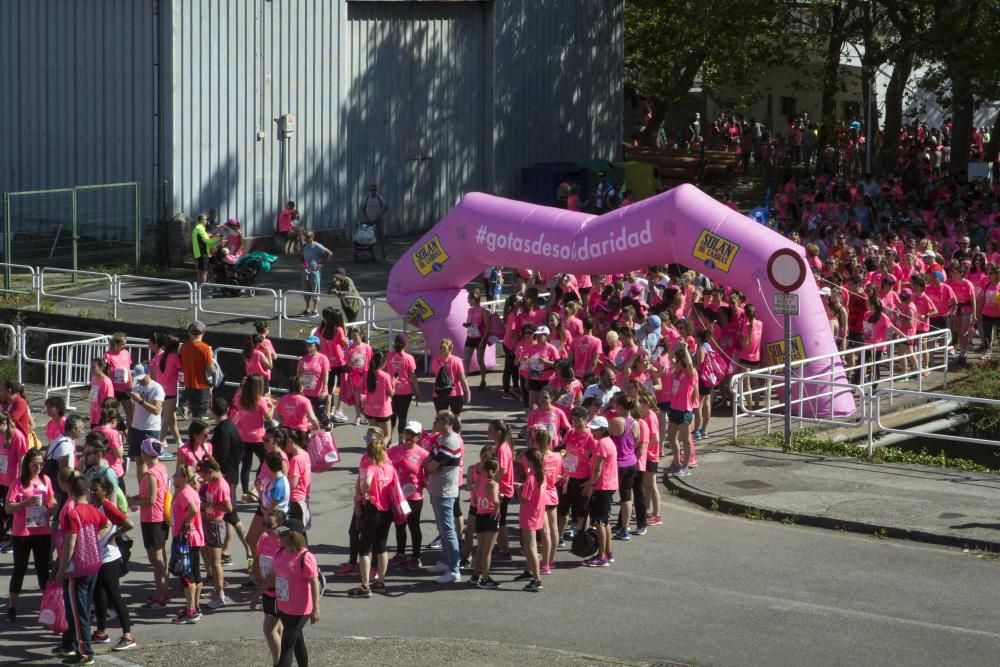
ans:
x=364 y=242
x=224 y=272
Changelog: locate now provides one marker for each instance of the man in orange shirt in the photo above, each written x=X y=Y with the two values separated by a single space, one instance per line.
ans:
x=196 y=360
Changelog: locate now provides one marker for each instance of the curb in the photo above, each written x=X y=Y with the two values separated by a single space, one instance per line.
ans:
x=716 y=503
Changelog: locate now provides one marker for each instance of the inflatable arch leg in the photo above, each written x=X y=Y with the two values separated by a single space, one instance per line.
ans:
x=683 y=225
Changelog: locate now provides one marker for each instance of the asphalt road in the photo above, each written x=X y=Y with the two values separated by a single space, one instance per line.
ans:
x=701 y=589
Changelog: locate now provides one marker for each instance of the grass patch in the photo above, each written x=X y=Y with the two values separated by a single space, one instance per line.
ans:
x=982 y=380
x=808 y=442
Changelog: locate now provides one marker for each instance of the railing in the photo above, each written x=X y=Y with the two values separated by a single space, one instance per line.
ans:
x=90 y=279
x=232 y=351
x=937 y=396
x=275 y=310
x=863 y=367
x=127 y=281
x=12 y=275
x=10 y=351
x=67 y=365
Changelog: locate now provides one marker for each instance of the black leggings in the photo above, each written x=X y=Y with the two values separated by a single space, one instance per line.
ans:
x=639 y=496
x=353 y=540
x=38 y=546
x=292 y=640
x=400 y=412
x=413 y=523
x=509 y=369
x=108 y=588
x=375 y=525
x=250 y=450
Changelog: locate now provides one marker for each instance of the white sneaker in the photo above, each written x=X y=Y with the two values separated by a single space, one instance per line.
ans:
x=439 y=567
x=216 y=601
x=339 y=416
x=450 y=578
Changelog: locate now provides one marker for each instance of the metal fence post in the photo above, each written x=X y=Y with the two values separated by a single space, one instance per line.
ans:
x=6 y=240
x=138 y=227
x=19 y=351
x=874 y=413
x=76 y=233
x=116 y=290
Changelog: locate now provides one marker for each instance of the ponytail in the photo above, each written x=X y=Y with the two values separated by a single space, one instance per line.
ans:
x=534 y=459
x=378 y=359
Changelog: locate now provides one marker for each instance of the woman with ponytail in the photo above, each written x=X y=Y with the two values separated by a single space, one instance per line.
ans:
x=380 y=387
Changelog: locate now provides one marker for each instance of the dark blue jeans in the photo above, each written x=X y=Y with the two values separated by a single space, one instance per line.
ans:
x=78 y=594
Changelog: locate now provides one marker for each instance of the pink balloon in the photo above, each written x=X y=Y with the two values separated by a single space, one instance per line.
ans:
x=683 y=225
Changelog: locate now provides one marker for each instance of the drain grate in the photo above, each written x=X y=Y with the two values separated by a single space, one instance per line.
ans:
x=748 y=484
x=765 y=463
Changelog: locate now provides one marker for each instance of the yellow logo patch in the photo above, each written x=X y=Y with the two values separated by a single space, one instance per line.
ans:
x=715 y=251
x=430 y=257
x=419 y=311
x=776 y=351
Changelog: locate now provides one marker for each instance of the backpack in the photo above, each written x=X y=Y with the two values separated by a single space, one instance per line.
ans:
x=180 y=557
x=443 y=383
x=584 y=543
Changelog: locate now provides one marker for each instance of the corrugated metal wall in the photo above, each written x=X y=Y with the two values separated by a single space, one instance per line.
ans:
x=557 y=84
x=78 y=85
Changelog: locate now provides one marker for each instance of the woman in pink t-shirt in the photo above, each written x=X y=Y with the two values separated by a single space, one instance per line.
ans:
x=532 y=515
x=294 y=410
x=197 y=446
x=548 y=417
x=185 y=516
x=401 y=365
x=684 y=400
x=101 y=388
x=217 y=501
x=55 y=409
x=963 y=321
x=453 y=399
x=751 y=332
x=477 y=325
x=379 y=389
x=108 y=426
x=256 y=360
x=253 y=413
x=499 y=433
x=299 y=476
x=120 y=371
x=13 y=446
x=332 y=336
x=541 y=358
x=373 y=498
x=989 y=298
x=408 y=460
x=295 y=579
x=647 y=408
x=30 y=500
x=152 y=518
x=312 y=371
x=165 y=369
x=359 y=356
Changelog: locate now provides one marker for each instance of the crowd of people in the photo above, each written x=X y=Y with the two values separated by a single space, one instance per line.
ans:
x=607 y=377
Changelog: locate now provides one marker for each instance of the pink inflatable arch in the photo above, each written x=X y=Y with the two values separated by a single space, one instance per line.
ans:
x=683 y=225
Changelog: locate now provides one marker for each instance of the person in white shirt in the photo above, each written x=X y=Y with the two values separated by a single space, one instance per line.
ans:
x=147 y=397
x=373 y=210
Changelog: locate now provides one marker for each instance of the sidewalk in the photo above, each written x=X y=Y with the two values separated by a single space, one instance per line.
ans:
x=940 y=506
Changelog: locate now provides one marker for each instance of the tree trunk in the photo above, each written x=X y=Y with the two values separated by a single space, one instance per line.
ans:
x=902 y=67
x=963 y=108
x=994 y=146
x=831 y=78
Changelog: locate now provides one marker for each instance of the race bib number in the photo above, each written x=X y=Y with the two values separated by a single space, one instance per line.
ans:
x=409 y=490
x=570 y=463
x=281 y=588
x=357 y=361
x=474 y=331
x=3 y=465
x=34 y=516
x=309 y=381
x=676 y=386
x=266 y=563
x=483 y=504
x=93 y=394
x=121 y=375
x=565 y=400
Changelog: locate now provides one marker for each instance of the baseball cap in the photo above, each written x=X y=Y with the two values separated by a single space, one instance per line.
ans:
x=598 y=422
x=654 y=320
x=291 y=525
x=313 y=339
x=542 y=330
x=905 y=293
x=929 y=253
x=414 y=427
x=197 y=326
x=824 y=291
x=138 y=372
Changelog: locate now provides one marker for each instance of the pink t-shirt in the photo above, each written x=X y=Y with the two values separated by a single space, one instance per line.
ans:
x=292 y=574
x=332 y=348
x=30 y=520
x=605 y=449
x=991 y=300
x=535 y=352
x=99 y=390
x=217 y=493
x=925 y=306
x=255 y=364
x=250 y=423
x=265 y=551
x=666 y=390
x=554 y=420
x=293 y=411
x=533 y=496
x=877 y=331
x=359 y=355
x=409 y=465
x=313 y=369
x=153 y=513
x=265 y=476
x=653 y=448
x=120 y=369
x=169 y=376
x=13 y=446
x=476 y=323
x=299 y=466
x=183 y=499
x=54 y=428
x=751 y=351
x=400 y=365
x=114 y=438
x=941 y=295
x=505 y=463
x=640 y=461
x=378 y=403
x=380 y=478
x=553 y=469
x=685 y=391
x=963 y=290
x=585 y=349
x=455 y=368
x=579 y=446
x=190 y=457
